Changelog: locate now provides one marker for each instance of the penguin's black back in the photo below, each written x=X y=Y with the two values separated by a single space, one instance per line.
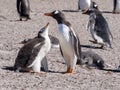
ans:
x=23 y=7
x=101 y=27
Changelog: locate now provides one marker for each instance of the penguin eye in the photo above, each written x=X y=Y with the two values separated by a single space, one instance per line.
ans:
x=42 y=30
x=56 y=12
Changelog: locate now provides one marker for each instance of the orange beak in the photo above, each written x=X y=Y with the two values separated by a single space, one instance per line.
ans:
x=48 y=14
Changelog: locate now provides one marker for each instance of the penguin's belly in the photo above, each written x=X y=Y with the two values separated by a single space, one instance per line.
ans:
x=84 y=4
x=36 y=65
x=98 y=38
x=65 y=42
x=117 y=6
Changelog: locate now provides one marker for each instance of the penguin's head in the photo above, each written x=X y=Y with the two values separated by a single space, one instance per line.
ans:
x=44 y=31
x=94 y=5
x=58 y=15
x=93 y=12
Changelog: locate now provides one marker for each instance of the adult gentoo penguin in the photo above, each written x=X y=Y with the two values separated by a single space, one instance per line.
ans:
x=23 y=8
x=68 y=39
x=116 y=8
x=84 y=5
x=33 y=53
x=99 y=29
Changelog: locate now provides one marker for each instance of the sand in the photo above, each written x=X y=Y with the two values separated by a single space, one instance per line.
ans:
x=12 y=32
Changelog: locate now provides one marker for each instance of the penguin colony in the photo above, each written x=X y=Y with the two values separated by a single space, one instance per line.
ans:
x=32 y=56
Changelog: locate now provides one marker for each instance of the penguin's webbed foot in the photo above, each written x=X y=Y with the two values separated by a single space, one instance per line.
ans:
x=69 y=71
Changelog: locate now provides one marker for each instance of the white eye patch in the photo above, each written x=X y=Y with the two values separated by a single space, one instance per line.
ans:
x=56 y=12
x=95 y=5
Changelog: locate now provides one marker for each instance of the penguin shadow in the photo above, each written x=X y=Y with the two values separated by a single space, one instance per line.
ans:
x=112 y=70
x=12 y=68
x=56 y=72
x=106 y=12
x=9 y=68
x=70 y=10
x=89 y=46
x=18 y=20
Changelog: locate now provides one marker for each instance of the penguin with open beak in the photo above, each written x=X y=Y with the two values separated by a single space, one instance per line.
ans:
x=116 y=8
x=68 y=39
x=99 y=29
x=33 y=53
x=23 y=8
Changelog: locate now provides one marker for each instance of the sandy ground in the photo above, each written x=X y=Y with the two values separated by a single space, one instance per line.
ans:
x=12 y=32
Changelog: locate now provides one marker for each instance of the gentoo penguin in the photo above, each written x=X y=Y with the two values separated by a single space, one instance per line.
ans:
x=84 y=5
x=116 y=5
x=99 y=29
x=23 y=8
x=33 y=53
x=92 y=60
x=68 y=39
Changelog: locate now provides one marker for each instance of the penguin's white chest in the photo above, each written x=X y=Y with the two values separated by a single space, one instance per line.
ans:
x=36 y=65
x=118 y=6
x=84 y=4
x=65 y=41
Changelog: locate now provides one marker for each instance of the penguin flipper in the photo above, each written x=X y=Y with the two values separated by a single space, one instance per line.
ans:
x=19 y=6
x=44 y=64
x=110 y=33
x=61 y=51
x=34 y=53
x=76 y=42
x=91 y=22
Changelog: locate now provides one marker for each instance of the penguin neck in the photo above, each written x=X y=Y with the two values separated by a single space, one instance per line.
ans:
x=63 y=21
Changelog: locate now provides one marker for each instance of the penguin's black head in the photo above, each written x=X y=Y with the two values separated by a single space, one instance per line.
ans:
x=88 y=12
x=58 y=15
x=94 y=5
x=43 y=31
x=93 y=11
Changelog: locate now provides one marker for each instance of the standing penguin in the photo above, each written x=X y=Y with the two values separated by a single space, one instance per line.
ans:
x=68 y=39
x=116 y=8
x=33 y=53
x=23 y=8
x=84 y=5
x=98 y=27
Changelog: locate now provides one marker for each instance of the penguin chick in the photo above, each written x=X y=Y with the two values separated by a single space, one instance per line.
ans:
x=23 y=9
x=116 y=6
x=99 y=29
x=68 y=39
x=33 y=53
x=91 y=59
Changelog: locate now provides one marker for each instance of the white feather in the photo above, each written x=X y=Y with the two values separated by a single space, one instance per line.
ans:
x=84 y=4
